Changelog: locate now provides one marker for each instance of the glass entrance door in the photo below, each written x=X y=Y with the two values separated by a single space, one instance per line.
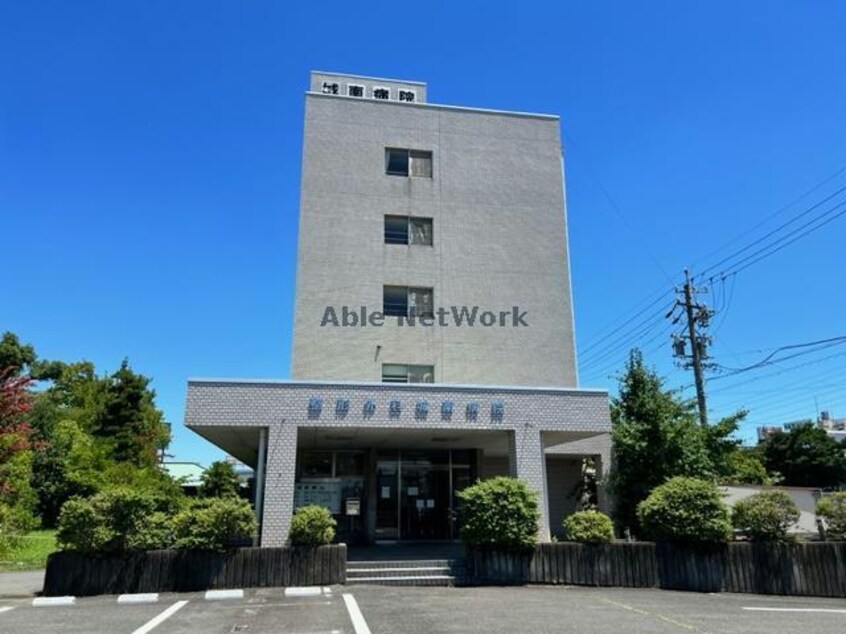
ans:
x=424 y=495
x=417 y=493
x=387 y=496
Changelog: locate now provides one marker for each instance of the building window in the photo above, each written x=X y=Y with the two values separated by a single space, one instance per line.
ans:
x=316 y=464
x=349 y=463
x=400 y=373
x=355 y=90
x=408 y=230
x=407 y=301
x=403 y=162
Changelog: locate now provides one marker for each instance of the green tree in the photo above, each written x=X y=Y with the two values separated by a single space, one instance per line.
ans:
x=20 y=358
x=745 y=467
x=129 y=421
x=219 y=481
x=70 y=465
x=656 y=436
x=805 y=456
x=15 y=357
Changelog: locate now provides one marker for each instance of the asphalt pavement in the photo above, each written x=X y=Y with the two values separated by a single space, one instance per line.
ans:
x=377 y=609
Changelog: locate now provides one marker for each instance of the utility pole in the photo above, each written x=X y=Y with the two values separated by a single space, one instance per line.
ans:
x=697 y=315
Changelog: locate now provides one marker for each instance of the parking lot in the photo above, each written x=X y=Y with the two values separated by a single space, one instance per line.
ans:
x=377 y=609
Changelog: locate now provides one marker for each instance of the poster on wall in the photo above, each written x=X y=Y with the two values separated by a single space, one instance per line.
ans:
x=324 y=492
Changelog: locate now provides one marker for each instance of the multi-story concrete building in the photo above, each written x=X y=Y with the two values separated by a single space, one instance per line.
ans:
x=433 y=338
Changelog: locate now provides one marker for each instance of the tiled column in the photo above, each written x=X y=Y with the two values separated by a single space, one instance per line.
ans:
x=279 y=484
x=526 y=461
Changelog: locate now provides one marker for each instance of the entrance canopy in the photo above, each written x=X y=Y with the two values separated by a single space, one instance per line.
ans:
x=397 y=428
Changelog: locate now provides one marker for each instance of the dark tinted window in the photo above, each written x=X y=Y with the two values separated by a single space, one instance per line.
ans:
x=396 y=162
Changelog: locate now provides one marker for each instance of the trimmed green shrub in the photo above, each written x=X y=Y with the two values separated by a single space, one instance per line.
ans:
x=592 y=527
x=114 y=521
x=82 y=527
x=312 y=525
x=765 y=516
x=685 y=511
x=214 y=524
x=12 y=528
x=500 y=513
x=832 y=508
x=154 y=532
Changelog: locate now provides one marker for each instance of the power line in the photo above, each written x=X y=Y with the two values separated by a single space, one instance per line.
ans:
x=802 y=235
x=632 y=334
x=772 y=374
x=787 y=394
x=611 y=345
x=775 y=231
x=771 y=216
x=768 y=360
x=625 y=323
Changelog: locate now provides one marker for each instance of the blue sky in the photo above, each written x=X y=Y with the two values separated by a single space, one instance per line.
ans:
x=150 y=154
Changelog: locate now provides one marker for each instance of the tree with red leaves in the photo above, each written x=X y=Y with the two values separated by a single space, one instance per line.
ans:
x=15 y=436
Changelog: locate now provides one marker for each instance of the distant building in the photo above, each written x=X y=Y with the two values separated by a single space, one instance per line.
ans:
x=834 y=427
x=766 y=431
x=188 y=474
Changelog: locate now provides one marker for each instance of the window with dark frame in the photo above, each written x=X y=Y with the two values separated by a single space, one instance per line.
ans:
x=407 y=301
x=402 y=373
x=316 y=464
x=405 y=162
x=408 y=230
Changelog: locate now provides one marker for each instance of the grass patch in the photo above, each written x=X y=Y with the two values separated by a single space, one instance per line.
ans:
x=32 y=552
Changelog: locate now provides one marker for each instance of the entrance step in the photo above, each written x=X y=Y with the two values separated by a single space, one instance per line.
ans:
x=418 y=572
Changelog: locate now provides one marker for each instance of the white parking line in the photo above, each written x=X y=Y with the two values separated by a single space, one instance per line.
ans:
x=217 y=595
x=822 y=610
x=41 y=602
x=6 y=608
x=149 y=597
x=303 y=591
x=157 y=620
x=357 y=618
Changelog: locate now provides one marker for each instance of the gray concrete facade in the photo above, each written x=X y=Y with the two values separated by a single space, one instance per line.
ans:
x=495 y=198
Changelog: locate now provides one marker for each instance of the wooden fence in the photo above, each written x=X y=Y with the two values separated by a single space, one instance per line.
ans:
x=808 y=569
x=191 y=570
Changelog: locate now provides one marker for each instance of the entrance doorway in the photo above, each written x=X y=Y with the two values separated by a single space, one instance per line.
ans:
x=417 y=491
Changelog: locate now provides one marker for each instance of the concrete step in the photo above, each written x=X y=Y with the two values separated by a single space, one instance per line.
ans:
x=412 y=580
x=408 y=563
x=421 y=572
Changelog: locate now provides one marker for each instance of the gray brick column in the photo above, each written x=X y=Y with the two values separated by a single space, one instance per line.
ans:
x=526 y=460
x=279 y=485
